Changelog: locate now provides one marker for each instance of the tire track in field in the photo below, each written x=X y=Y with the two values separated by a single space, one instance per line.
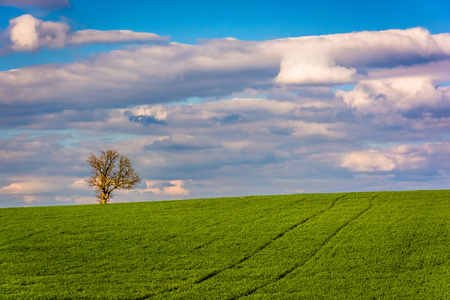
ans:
x=314 y=254
x=261 y=248
x=169 y=290
x=214 y=273
x=208 y=276
x=206 y=244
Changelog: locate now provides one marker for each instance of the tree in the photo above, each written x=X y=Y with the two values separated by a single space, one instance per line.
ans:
x=111 y=171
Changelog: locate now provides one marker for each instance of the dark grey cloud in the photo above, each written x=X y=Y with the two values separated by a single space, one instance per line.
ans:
x=280 y=131
x=230 y=118
x=146 y=120
x=40 y=154
x=48 y=4
x=142 y=75
x=183 y=142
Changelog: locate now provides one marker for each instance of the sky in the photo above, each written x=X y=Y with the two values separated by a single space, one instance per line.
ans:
x=223 y=98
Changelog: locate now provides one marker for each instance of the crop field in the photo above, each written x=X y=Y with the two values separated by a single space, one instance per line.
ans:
x=374 y=245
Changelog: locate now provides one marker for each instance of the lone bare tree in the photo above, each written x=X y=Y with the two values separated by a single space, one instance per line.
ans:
x=111 y=171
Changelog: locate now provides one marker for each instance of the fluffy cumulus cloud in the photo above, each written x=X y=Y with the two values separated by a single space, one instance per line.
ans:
x=28 y=33
x=346 y=112
x=432 y=156
x=340 y=58
x=382 y=96
x=374 y=161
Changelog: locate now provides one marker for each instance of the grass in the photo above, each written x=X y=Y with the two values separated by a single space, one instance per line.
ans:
x=377 y=245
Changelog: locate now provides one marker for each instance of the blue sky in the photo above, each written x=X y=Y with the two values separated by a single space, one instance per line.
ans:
x=223 y=98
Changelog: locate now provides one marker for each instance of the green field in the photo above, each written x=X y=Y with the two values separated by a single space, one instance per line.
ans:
x=374 y=245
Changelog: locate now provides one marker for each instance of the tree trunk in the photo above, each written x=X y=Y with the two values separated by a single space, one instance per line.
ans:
x=105 y=197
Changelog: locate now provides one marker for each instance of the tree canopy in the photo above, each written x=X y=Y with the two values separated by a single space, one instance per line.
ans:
x=111 y=171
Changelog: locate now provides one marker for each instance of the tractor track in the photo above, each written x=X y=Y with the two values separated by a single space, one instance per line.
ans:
x=313 y=254
x=261 y=248
x=242 y=260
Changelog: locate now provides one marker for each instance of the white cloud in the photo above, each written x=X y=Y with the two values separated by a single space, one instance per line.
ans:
x=250 y=104
x=29 y=187
x=90 y=36
x=293 y=72
x=80 y=184
x=28 y=33
x=368 y=161
x=23 y=33
x=388 y=95
x=158 y=112
x=403 y=157
x=335 y=59
x=45 y=188
x=170 y=188
x=32 y=198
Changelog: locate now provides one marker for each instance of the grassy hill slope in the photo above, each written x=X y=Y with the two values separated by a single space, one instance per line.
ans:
x=377 y=245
